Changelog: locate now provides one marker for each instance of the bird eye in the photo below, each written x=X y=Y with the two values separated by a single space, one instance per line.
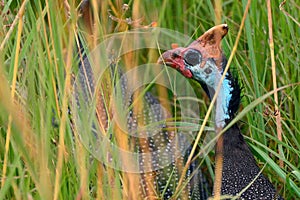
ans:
x=192 y=57
x=208 y=70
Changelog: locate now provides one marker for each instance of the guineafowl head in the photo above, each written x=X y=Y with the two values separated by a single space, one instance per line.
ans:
x=204 y=61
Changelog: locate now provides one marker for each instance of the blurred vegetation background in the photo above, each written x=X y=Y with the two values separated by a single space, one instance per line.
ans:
x=39 y=156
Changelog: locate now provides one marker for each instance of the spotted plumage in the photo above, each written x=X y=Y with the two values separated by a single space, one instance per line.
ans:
x=160 y=150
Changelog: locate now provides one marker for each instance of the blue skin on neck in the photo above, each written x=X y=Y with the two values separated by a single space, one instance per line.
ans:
x=224 y=97
x=210 y=75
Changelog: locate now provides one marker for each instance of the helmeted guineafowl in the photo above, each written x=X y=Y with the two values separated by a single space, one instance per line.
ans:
x=204 y=62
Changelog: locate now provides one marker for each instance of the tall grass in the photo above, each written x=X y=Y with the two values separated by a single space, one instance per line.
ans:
x=40 y=155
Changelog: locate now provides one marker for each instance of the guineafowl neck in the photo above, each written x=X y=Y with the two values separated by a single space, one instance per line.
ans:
x=226 y=105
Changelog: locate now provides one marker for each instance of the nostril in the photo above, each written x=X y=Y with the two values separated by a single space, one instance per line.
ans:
x=175 y=55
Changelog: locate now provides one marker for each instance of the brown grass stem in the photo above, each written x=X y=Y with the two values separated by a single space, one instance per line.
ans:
x=273 y=64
